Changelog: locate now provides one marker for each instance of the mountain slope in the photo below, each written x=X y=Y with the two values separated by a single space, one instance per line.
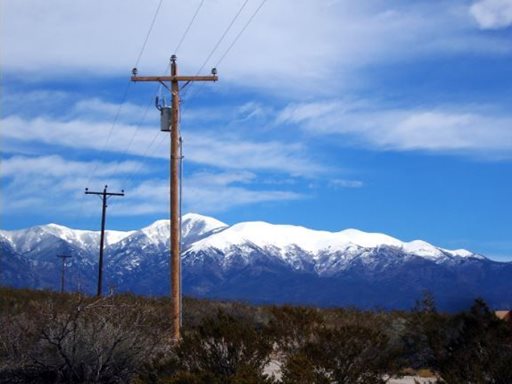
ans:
x=260 y=262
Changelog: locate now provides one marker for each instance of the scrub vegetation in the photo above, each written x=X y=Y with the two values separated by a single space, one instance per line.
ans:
x=47 y=337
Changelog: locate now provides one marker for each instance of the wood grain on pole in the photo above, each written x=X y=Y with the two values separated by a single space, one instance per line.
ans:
x=175 y=205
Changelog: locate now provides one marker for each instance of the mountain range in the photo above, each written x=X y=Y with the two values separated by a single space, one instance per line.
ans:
x=258 y=262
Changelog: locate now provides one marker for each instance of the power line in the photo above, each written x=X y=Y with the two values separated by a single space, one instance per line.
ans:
x=235 y=40
x=124 y=154
x=148 y=34
x=223 y=36
x=125 y=94
x=188 y=27
x=159 y=87
x=145 y=158
x=116 y=118
x=241 y=32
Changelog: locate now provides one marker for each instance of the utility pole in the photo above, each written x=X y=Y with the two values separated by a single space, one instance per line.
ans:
x=175 y=158
x=63 y=257
x=104 y=197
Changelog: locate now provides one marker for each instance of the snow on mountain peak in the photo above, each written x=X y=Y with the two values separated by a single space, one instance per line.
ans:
x=367 y=239
x=26 y=239
x=158 y=231
x=83 y=237
x=264 y=235
x=202 y=232
x=195 y=224
x=422 y=248
x=314 y=242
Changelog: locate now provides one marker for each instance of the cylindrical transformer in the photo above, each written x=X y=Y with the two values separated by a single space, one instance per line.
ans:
x=165 y=119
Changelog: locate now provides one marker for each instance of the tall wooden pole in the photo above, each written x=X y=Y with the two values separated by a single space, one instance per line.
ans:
x=175 y=204
x=175 y=230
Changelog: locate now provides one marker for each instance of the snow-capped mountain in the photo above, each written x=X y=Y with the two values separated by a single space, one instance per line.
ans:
x=298 y=247
x=261 y=262
x=28 y=240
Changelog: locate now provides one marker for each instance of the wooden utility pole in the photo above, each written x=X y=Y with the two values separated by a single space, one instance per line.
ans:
x=63 y=257
x=175 y=230
x=105 y=195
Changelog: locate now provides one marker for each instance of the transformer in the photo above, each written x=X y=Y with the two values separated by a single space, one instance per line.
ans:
x=165 y=119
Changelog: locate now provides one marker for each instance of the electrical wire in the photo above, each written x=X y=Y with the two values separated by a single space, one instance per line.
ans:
x=188 y=27
x=80 y=211
x=144 y=156
x=124 y=155
x=240 y=33
x=125 y=94
x=111 y=130
x=228 y=28
x=233 y=43
x=148 y=34
x=159 y=87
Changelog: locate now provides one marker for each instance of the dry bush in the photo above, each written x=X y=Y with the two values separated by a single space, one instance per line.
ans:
x=79 y=340
x=224 y=349
x=348 y=354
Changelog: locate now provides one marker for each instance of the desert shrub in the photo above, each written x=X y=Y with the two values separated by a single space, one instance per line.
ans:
x=423 y=337
x=348 y=354
x=292 y=327
x=476 y=347
x=77 y=340
x=223 y=349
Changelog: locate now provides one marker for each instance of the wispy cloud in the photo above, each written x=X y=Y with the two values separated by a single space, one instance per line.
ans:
x=492 y=14
x=221 y=151
x=62 y=181
x=344 y=183
x=216 y=192
x=463 y=129
x=345 y=35
x=52 y=184
x=56 y=166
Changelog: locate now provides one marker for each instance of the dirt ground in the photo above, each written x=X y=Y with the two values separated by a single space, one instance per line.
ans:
x=274 y=369
x=410 y=380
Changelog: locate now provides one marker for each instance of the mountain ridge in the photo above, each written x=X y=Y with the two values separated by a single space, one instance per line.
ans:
x=259 y=261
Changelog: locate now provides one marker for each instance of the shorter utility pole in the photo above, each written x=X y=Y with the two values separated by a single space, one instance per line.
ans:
x=104 y=197
x=63 y=271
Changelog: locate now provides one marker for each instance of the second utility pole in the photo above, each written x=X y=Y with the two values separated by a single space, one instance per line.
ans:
x=175 y=230
x=63 y=271
x=105 y=195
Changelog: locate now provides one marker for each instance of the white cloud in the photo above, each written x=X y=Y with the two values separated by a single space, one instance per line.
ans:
x=55 y=185
x=291 y=46
x=78 y=134
x=56 y=166
x=52 y=185
x=204 y=192
x=97 y=109
x=492 y=14
x=343 y=183
x=231 y=153
x=215 y=192
x=221 y=151
x=465 y=129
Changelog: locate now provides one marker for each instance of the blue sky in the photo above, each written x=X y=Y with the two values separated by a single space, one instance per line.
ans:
x=389 y=117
